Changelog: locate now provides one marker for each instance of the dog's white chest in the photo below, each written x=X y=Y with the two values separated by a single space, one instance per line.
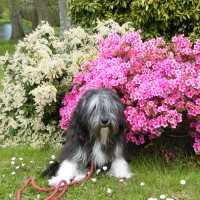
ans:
x=99 y=158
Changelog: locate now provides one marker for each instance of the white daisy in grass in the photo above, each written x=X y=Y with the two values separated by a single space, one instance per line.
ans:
x=52 y=157
x=10 y=195
x=183 y=182
x=3 y=176
x=169 y=199
x=12 y=163
x=13 y=158
x=105 y=168
x=121 y=180
x=162 y=196
x=109 y=191
x=17 y=167
x=94 y=180
x=13 y=173
x=76 y=179
x=38 y=196
x=142 y=184
x=23 y=164
x=20 y=159
x=31 y=161
x=98 y=171
x=51 y=162
x=128 y=176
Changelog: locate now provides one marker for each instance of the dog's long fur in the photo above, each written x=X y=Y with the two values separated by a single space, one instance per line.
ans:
x=95 y=131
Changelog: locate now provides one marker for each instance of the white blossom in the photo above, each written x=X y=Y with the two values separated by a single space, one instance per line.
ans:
x=109 y=191
x=142 y=183
x=162 y=196
x=183 y=182
x=93 y=179
x=13 y=173
x=12 y=163
x=105 y=168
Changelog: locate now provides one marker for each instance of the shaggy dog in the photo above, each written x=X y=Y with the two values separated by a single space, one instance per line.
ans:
x=95 y=131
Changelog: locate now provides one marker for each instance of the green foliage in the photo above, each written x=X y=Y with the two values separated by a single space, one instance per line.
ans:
x=154 y=17
x=165 y=17
x=85 y=13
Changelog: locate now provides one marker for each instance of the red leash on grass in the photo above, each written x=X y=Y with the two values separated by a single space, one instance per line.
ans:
x=59 y=186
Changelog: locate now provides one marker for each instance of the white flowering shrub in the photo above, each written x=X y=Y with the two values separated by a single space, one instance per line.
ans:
x=38 y=76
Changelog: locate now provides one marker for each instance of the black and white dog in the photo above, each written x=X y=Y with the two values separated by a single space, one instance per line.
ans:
x=95 y=131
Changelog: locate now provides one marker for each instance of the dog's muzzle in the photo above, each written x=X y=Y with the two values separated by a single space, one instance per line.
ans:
x=105 y=122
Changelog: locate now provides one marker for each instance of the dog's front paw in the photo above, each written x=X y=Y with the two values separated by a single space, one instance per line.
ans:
x=79 y=177
x=120 y=174
x=120 y=169
x=55 y=180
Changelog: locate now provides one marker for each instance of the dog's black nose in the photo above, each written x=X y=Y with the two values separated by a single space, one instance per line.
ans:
x=104 y=121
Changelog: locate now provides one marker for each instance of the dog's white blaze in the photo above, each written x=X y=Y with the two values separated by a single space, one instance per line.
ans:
x=98 y=156
x=104 y=132
x=120 y=168
x=107 y=103
x=94 y=102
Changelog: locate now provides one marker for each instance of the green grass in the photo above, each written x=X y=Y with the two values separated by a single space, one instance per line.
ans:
x=7 y=45
x=160 y=178
x=5 y=17
x=27 y=26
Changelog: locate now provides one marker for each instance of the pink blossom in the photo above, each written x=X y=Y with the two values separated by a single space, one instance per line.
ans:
x=157 y=83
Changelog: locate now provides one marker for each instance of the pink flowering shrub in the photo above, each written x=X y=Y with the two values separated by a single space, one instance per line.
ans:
x=157 y=83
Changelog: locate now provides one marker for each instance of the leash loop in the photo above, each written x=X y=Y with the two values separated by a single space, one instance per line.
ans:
x=59 y=186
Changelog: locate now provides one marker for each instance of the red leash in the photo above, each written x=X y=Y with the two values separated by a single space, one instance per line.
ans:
x=59 y=186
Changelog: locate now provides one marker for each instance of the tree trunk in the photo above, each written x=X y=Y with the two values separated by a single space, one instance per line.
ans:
x=34 y=18
x=40 y=12
x=15 y=19
x=64 y=19
x=1 y=11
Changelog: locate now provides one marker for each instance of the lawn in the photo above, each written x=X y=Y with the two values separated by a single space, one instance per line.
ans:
x=158 y=176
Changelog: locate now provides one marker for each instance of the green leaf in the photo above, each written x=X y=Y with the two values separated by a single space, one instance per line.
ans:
x=124 y=4
x=155 y=5
x=196 y=16
x=143 y=3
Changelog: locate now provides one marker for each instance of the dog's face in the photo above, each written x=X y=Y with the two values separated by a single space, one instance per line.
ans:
x=102 y=112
